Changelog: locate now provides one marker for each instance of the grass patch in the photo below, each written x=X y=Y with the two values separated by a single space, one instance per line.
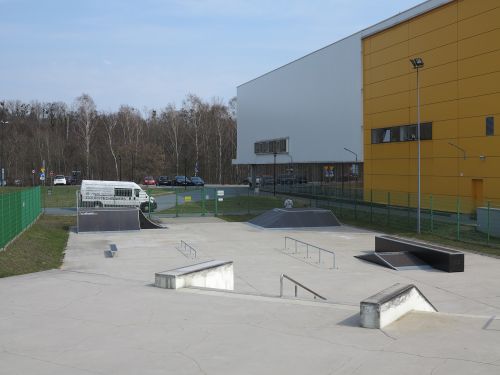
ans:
x=39 y=248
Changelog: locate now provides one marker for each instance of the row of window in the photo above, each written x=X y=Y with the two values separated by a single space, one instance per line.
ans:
x=402 y=133
x=279 y=146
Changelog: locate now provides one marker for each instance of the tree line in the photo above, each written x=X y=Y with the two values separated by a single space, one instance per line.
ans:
x=127 y=143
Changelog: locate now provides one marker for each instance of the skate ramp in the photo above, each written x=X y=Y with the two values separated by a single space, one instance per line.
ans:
x=296 y=218
x=108 y=219
x=396 y=260
x=389 y=305
x=146 y=223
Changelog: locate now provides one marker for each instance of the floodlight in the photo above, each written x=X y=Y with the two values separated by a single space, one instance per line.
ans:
x=417 y=62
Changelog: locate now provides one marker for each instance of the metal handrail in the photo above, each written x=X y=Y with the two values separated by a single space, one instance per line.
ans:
x=313 y=246
x=296 y=284
x=184 y=247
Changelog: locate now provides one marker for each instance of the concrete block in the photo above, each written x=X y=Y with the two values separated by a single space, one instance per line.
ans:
x=212 y=274
x=387 y=306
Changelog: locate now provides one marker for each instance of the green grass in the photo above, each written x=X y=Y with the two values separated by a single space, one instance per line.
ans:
x=39 y=248
x=242 y=205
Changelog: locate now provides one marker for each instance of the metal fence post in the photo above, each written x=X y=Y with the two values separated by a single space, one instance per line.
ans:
x=149 y=202
x=388 y=208
x=489 y=206
x=248 y=201
x=203 y=201
x=355 y=206
x=458 y=218
x=408 y=209
x=216 y=204
x=432 y=214
x=176 y=203
x=371 y=206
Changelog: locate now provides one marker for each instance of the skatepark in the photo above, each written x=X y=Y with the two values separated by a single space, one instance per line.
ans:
x=101 y=314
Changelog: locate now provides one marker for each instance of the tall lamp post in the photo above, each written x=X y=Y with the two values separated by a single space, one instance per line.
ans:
x=417 y=64
x=2 y=168
x=274 y=177
x=356 y=156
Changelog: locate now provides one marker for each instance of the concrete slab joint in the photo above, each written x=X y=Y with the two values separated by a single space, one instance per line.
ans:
x=214 y=274
x=389 y=305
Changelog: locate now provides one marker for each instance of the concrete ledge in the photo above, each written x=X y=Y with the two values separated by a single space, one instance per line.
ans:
x=439 y=257
x=391 y=304
x=214 y=274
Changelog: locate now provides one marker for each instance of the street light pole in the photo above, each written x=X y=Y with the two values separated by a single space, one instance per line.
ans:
x=356 y=156
x=274 y=179
x=417 y=64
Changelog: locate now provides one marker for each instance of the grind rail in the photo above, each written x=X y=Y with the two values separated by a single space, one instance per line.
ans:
x=296 y=285
x=185 y=248
x=308 y=245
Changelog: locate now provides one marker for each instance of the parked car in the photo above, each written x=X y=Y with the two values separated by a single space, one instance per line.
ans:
x=197 y=181
x=248 y=181
x=286 y=179
x=164 y=181
x=69 y=180
x=149 y=180
x=182 y=181
x=59 y=180
x=266 y=180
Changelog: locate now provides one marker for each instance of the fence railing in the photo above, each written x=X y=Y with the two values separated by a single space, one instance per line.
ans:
x=18 y=210
x=296 y=285
x=314 y=247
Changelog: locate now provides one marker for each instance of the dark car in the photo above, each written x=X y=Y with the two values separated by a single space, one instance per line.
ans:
x=286 y=179
x=69 y=180
x=164 y=181
x=149 y=180
x=266 y=180
x=182 y=181
x=197 y=181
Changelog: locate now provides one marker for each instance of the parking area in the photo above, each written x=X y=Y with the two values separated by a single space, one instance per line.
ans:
x=102 y=315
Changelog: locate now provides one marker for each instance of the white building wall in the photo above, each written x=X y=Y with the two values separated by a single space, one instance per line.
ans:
x=316 y=101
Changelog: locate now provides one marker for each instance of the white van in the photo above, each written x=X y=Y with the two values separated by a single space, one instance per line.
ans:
x=95 y=193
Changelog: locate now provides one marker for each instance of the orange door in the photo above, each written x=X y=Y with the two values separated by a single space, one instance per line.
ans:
x=477 y=192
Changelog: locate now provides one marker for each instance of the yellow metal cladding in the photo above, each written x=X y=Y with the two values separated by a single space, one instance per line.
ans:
x=460 y=87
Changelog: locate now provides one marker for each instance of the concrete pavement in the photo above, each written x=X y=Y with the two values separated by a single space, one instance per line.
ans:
x=101 y=315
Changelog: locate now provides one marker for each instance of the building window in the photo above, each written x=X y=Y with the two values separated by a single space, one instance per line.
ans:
x=402 y=133
x=280 y=146
x=490 y=125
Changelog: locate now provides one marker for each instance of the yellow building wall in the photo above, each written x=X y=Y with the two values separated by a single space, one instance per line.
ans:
x=459 y=87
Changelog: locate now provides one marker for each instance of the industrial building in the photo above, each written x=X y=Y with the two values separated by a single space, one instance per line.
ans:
x=357 y=99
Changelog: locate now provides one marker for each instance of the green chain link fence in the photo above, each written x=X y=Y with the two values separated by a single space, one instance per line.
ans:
x=462 y=219
x=18 y=210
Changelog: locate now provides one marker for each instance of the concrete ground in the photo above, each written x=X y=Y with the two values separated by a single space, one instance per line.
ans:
x=102 y=315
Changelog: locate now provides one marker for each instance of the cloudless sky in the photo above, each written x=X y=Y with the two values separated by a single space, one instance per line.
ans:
x=149 y=53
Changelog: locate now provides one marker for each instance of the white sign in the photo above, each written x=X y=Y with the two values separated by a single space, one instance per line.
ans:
x=221 y=199
x=220 y=193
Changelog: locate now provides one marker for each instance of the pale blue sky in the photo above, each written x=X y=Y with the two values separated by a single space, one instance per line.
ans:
x=151 y=53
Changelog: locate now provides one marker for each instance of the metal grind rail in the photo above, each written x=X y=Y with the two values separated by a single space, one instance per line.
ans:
x=308 y=245
x=296 y=285
x=186 y=248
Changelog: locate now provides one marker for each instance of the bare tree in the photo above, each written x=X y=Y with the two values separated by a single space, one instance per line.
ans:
x=86 y=116
x=110 y=123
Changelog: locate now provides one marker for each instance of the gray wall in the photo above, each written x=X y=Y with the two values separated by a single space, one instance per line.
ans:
x=315 y=101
